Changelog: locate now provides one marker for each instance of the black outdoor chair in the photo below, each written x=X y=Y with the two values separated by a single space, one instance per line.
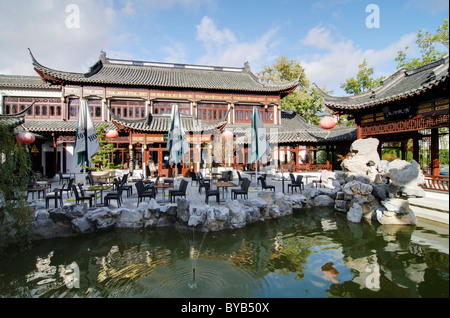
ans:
x=67 y=187
x=83 y=193
x=239 y=177
x=299 y=180
x=114 y=195
x=265 y=186
x=125 y=186
x=180 y=192
x=318 y=183
x=142 y=193
x=243 y=190
x=79 y=198
x=202 y=182
x=193 y=177
x=54 y=195
x=226 y=176
x=293 y=185
x=210 y=193
x=63 y=177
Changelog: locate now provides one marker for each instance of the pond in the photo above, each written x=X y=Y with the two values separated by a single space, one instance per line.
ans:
x=312 y=253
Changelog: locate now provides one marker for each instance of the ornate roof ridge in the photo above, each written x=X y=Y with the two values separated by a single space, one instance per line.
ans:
x=169 y=75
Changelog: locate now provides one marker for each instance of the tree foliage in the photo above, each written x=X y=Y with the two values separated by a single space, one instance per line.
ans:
x=363 y=82
x=428 y=45
x=305 y=100
x=15 y=170
x=102 y=159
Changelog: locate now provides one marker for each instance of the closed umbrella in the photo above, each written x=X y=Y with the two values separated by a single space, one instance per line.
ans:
x=177 y=144
x=260 y=148
x=86 y=141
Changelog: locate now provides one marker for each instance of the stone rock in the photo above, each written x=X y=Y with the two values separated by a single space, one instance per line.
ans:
x=41 y=215
x=357 y=187
x=355 y=213
x=237 y=215
x=284 y=207
x=364 y=158
x=323 y=200
x=45 y=229
x=252 y=214
x=197 y=217
x=388 y=217
x=169 y=209
x=259 y=202
x=273 y=211
x=82 y=225
x=130 y=219
x=183 y=210
x=298 y=200
x=58 y=214
x=102 y=218
x=397 y=205
x=216 y=218
x=341 y=205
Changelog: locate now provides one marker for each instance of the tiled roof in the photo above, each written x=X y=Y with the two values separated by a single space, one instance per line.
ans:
x=161 y=123
x=401 y=84
x=164 y=75
x=15 y=119
x=18 y=81
x=57 y=126
x=294 y=128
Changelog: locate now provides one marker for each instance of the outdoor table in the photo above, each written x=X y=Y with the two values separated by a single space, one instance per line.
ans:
x=224 y=185
x=215 y=176
x=100 y=188
x=37 y=187
x=251 y=173
x=163 y=186
x=307 y=176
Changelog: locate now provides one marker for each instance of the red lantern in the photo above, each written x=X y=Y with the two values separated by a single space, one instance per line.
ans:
x=328 y=122
x=227 y=134
x=112 y=134
x=26 y=138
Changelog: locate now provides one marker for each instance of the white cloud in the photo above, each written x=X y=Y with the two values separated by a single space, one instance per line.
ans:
x=340 y=57
x=46 y=28
x=223 y=48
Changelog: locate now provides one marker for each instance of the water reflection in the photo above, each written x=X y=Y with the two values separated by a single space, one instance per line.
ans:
x=314 y=253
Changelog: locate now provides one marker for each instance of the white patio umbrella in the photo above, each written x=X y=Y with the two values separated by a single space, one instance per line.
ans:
x=260 y=147
x=86 y=141
x=177 y=144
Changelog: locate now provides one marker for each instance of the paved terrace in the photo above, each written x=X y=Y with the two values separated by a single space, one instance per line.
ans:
x=435 y=206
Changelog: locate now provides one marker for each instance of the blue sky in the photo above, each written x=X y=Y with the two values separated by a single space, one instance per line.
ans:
x=329 y=38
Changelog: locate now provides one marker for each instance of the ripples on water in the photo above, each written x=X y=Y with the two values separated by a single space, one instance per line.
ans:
x=315 y=253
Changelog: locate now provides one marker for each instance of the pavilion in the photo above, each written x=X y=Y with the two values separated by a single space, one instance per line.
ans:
x=409 y=105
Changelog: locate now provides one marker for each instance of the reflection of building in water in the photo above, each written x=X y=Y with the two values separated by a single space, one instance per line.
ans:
x=49 y=278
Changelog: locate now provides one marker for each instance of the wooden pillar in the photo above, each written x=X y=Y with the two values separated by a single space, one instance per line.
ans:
x=434 y=152
x=358 y=132
x=403 y=149
x=55 y=155
x=416 y=146
x=327 y=149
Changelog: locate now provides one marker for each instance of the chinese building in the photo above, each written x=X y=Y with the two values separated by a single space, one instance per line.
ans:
x=409 y=105
x=136 y=98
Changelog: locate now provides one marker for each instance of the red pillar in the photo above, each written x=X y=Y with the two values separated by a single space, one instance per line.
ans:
x=434 y=152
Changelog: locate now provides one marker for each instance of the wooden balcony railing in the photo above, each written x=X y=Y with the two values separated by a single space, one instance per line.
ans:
x=438 y=183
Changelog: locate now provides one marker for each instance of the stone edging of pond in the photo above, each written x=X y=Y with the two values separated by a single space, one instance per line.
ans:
x=75 y=219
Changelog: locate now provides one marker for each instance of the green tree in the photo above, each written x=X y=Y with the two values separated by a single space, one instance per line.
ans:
x=428 y=45
x=102 y=159
x=15 y=169
x=305 y=100
x=363 y=82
